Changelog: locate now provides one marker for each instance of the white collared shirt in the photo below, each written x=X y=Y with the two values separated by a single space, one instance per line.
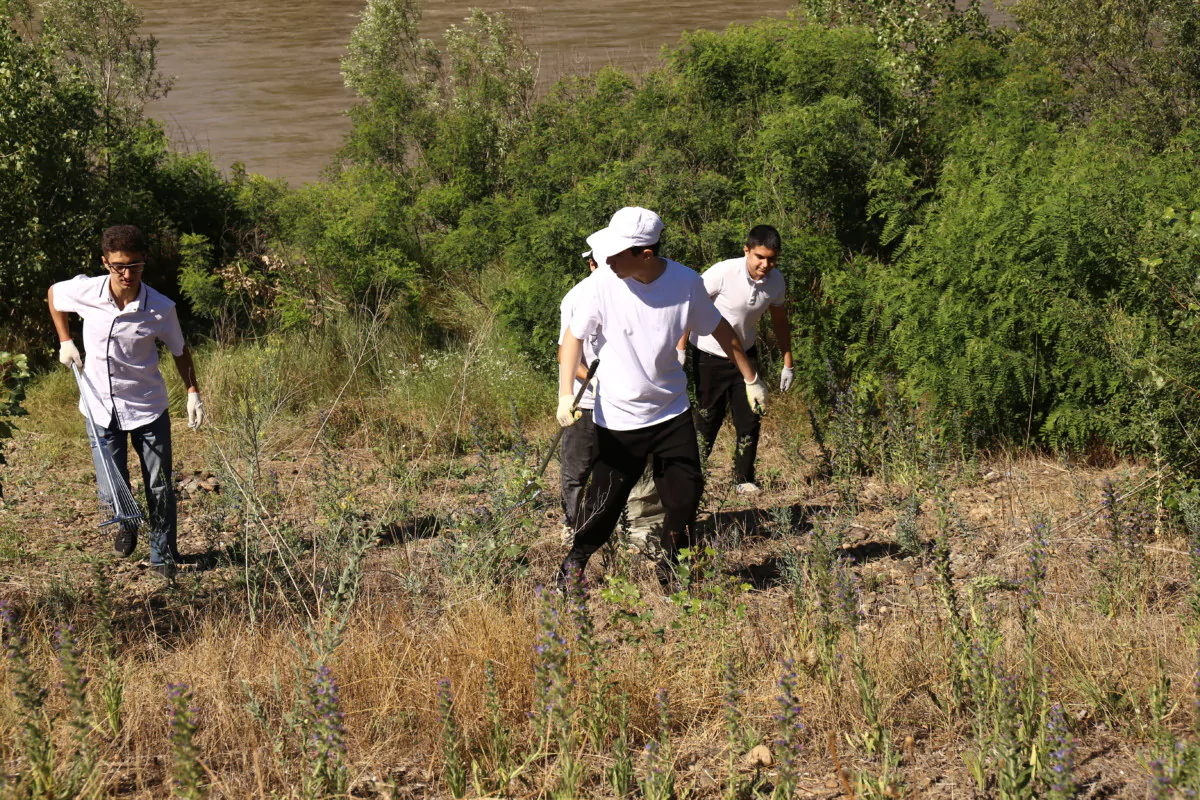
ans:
x=123 y=387
x=741 y=300
x=640 y=380
x=591 y=345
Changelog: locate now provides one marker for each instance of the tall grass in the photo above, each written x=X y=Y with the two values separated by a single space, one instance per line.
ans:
x=370 y=617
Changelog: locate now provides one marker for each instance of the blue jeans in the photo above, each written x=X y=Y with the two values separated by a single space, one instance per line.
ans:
x=153 y=444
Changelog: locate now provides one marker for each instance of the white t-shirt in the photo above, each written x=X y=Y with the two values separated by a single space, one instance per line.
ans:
x=741 y=300
x=591 y=344
x=641 y=382
x=122 y=384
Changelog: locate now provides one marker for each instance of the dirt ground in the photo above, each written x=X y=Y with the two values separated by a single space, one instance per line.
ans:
x=1100 y=665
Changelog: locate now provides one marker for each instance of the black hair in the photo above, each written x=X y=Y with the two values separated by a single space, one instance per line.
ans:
x=764 y=236
x=653 y=248
x=123 y=239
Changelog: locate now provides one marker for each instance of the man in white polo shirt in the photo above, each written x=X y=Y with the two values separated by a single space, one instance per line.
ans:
x=743 y=289
x=123 y=321
x=641 y=305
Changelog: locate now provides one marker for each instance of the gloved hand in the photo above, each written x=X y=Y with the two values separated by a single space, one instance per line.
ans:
x=68 y=354
x=785 y=378
x=567 y=415
x=681 y=355
x=195 y=409
x=756 y=393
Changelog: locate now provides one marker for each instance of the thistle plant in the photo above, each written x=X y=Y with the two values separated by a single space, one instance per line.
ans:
x=187 y=774
x=1031 y=596
x=30 y=693
x=789 y=746
x=1119 y=559
x=1189 y=508
x=553 y=714
x=453 y=768
x=1060 y=757
x=620 y=775
x=325 y=734
x=74 y=686
x=499 y=743
x=112 y=688
x=959 y=656
x=908 y=537
x=590 y=654
x=735 y=732
x=658 y=779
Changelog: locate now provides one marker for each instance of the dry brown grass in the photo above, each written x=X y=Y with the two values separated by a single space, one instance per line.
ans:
x=416 y=622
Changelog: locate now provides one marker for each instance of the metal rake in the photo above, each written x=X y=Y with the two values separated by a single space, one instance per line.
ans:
x=114 y=489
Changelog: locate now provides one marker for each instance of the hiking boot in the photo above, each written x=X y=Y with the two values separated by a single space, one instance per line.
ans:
x=124 y=541
x=748 y=488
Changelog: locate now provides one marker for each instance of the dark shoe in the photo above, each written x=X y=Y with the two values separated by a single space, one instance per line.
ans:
x=124 y=541
x=166 y=571
x=570 y=574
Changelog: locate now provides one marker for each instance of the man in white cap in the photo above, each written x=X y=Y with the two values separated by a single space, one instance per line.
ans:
x=580 y=448
x=123 y=322
x=743 y=289
x=641 y=305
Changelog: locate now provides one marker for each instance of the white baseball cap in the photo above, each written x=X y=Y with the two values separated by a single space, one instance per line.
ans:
x=630 y=227
x=586 y=254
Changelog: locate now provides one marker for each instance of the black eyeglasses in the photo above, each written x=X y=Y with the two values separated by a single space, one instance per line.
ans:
x=134 y=268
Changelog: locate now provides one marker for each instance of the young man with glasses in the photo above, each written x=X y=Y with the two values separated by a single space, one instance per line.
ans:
x=123 y=322
x=744 y=289
x=641 y=305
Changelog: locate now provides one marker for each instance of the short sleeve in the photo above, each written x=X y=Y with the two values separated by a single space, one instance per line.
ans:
x=170 y=333
x=713 y=278
x=585 y=315
x=703 y=316
x=564 y=317
x=779 y=290
x=67 y=294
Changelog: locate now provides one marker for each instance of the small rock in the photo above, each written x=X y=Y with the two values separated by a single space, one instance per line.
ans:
x=759 y=756
x=833 y=783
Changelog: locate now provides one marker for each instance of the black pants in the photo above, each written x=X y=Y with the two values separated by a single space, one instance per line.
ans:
x=721 y=387
x=623 y=454
x=580 y=449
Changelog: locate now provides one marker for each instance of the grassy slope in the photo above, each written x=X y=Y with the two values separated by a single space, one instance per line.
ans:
x=428 y=608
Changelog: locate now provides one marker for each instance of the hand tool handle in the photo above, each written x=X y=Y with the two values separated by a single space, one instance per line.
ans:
x=591 y=373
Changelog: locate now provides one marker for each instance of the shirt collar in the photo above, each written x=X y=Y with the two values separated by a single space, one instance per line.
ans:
x=749 y=280
x=134 y=305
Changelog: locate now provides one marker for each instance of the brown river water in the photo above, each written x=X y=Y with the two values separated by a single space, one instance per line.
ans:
x=259 y=81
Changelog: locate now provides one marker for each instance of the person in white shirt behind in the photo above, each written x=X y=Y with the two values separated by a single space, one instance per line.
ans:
x=578 y=447
x=743 y=289
x=123 y=322
x=641 y=305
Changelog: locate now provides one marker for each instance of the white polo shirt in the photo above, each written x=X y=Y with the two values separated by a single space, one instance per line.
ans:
x=591 y=344
x=741 y=300
x=641 y=380
x=122 y=384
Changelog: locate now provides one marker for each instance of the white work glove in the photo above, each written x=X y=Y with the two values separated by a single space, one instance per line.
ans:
x=68 y=354
x=567 y=415
x=785 y=378
x=195 y=409
x=756 y=393
x=681 y=355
